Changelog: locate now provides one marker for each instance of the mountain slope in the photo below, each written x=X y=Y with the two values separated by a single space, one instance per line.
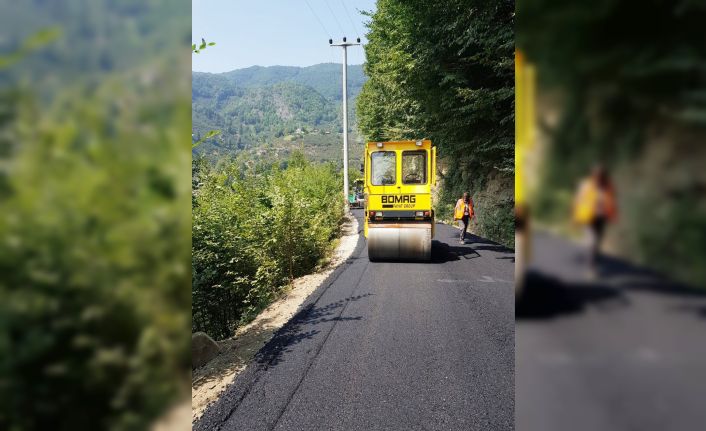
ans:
x=325 y=78
x=273 y=107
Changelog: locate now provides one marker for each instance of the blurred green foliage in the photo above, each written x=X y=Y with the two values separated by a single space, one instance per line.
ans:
x=443 y=70
x=620 y=67
x=255 y=228
x=628 y=81
x=36 y=41
x=630 y=58
x=94 y=225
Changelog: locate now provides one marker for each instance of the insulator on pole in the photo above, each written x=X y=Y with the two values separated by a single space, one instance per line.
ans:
x=344 y=38
x=330 y=41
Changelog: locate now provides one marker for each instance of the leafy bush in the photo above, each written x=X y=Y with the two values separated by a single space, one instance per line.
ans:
x=496 y=220
x=254 y=229
x=446 y=73
x=94 y=257
x=494 y=215
x=94 y=223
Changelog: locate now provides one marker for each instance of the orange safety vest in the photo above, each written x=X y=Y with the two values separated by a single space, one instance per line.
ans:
x=587 y=201
x=461 y=208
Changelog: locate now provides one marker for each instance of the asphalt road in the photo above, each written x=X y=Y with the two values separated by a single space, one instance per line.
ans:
x=623 y=351
x=389 y=346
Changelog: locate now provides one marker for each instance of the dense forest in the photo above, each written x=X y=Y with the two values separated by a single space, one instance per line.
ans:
x=94 y=183
x=443 y=70
x=624 y=87
x=274 y=109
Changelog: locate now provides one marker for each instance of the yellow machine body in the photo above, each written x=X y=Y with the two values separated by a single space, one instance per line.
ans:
x=399 y=218
x=525 y=137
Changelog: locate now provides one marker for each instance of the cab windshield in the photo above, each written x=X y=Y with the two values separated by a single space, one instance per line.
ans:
x=414 y=167
x=382 y=168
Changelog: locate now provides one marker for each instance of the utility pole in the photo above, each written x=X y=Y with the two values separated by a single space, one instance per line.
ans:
x=345 y=46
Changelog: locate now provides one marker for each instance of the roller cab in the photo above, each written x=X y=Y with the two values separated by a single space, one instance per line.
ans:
x=399 y=219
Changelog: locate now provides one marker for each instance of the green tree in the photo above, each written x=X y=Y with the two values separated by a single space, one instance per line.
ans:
x=255 y=228
x=444 y=71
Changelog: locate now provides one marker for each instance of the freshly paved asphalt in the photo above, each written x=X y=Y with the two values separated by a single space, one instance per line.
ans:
x=389 y=346
x=625 y=350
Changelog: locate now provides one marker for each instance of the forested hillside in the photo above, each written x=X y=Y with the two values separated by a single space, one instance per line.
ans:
x=325 y=78
x=446 y=73
x=274 y=110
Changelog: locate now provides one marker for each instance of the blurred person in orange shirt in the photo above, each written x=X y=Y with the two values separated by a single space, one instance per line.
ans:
x=594 y=206
x=463 y=212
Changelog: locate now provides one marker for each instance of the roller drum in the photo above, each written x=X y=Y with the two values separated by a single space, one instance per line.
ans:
x=399 y=242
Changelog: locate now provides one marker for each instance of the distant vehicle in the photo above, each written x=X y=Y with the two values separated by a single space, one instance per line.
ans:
x=399 y=219
x=356 y=198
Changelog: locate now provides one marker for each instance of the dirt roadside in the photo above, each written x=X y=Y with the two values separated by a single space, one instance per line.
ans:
x=209 y=381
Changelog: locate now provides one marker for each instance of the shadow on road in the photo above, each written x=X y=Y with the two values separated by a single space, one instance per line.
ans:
x=557 y=282
x=546 y=297
x=486 y=244
x=442 y=252
x=698 y=310
x=447 y=250
x=625 y=275
x=479 y=243
x=303 y=327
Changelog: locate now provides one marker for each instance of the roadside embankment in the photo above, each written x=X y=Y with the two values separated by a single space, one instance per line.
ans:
x=209 y=381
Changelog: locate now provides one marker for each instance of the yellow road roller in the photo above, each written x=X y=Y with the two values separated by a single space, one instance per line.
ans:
x=525 y=139
x=399 y=219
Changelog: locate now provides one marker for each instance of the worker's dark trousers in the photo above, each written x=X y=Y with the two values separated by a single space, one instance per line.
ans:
x=464 y=221
x=595 y=236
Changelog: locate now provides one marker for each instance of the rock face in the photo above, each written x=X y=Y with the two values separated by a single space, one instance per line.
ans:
x=203 y=349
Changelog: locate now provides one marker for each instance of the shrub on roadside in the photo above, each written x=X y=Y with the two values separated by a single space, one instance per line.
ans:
x=94 y=257
x=254 y=229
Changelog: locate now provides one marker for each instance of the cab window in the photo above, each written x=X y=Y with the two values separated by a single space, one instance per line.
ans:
x=382 y=172
x=414 y=167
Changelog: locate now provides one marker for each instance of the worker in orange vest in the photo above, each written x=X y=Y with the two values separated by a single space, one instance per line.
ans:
x=594 y=206
x=464 y=213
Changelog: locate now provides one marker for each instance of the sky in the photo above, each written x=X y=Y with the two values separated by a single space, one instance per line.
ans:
x=276 y=32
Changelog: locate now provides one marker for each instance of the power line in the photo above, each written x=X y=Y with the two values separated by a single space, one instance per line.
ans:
x=334 y=18
x=355 y=27
x=317 y=18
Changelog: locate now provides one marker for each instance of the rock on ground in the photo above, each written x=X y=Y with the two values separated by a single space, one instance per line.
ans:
x=203 y=349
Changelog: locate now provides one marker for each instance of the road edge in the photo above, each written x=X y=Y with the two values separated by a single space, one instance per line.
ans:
x=216 y=411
